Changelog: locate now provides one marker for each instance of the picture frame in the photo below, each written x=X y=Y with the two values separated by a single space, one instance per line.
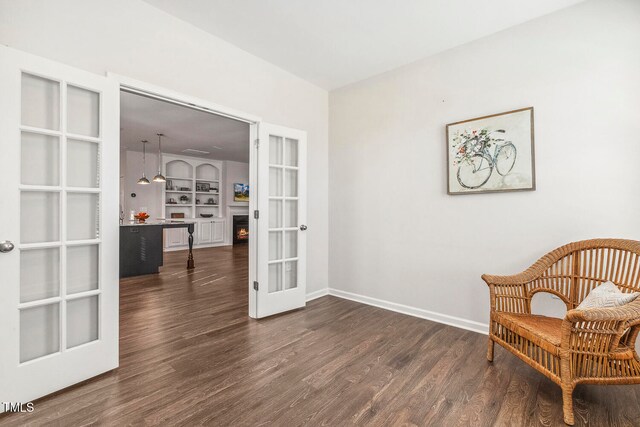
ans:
x=203 y=187
x=240 y=192
x=491 y=154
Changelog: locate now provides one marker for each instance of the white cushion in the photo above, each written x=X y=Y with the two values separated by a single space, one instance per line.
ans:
x=607 y=295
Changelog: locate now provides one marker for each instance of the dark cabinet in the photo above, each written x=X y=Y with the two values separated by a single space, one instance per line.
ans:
x=140 y=249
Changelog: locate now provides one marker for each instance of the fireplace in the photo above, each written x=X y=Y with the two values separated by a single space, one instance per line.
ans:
x=240 y=229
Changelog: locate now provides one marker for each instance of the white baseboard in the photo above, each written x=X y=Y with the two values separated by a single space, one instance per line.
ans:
x=317 y=294
x=458 y=322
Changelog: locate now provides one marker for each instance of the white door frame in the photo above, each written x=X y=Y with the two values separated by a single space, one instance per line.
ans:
x=161 y=93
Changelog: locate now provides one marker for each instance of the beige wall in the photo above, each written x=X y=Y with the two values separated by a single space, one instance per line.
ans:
x=396 y=236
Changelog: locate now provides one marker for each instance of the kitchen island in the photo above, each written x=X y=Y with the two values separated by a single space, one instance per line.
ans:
x=141 y=248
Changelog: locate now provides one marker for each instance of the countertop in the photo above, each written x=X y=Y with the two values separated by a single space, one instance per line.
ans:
x=157 y=222
x=161 y=221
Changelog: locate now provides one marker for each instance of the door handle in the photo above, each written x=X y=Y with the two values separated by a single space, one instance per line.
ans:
x=6 y=246
x=303 y=227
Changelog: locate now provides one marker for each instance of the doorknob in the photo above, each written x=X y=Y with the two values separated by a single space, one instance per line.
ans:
x=6 y=246
x=303 y=227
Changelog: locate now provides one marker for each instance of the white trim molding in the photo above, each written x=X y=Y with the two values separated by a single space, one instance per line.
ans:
x=147 y=89
x=457 y=322
x=317 y=294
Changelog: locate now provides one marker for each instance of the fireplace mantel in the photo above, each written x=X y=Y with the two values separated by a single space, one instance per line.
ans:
x=237 y=210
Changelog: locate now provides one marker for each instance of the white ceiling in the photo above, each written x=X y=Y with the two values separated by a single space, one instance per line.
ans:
x=143 y=118
x=332 y=43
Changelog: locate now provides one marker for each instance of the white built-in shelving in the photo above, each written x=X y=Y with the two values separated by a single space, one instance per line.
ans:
x=186 y=178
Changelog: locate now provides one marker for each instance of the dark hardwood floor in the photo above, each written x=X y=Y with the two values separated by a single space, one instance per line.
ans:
x=190 y=355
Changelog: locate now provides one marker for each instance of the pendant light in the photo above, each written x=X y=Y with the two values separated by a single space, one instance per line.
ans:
x=144 y=180
x=159 y=177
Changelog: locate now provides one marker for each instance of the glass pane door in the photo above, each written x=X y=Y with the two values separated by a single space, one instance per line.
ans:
x=283 y=213
x=281 y=236
x=60 y=195
x=59 y=263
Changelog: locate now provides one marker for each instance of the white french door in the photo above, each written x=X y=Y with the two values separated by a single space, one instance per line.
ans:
x=281 y=236
x=59 y=139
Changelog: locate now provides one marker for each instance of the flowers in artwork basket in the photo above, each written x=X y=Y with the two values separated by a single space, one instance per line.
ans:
x=468 y=143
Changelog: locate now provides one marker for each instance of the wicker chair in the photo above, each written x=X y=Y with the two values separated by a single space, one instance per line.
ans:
x=595 y=346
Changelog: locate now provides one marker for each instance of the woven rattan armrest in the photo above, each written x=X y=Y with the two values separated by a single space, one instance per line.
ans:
x=626 y=313
x=530 y=274
x=514 y=279
x=601 y=330
x=508 y=293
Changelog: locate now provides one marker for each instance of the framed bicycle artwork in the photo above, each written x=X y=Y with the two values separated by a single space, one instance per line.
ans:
x=491 y=154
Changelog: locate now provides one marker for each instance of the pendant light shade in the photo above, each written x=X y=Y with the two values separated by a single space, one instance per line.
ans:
x=143 y=180
x=159 y=177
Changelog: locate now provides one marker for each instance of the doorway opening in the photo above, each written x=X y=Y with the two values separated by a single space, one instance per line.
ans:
x=184 y=179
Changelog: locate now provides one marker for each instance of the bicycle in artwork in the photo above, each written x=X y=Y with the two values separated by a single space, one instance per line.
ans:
x=478 y=153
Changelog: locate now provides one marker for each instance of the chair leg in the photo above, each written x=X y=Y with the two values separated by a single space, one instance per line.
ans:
x=490 y=350
x=567 y=403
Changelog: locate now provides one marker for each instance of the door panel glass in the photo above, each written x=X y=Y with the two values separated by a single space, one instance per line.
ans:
x=275 y=213
x=275 y=245
x=82 y=321
x=275 y=150
x=39 y=274
x=40 y=102
x=82 y=216
x=83 y=156
x=83 y=111
x=39 y=331
x=283 y=212
x=291 y=183
x=39 y=159
x=39 y=217
x=275 y=277
x=275 y=181
x=291 y=213
x=290 y=244
x=58 y=306
x=82 y=268
x=291 y=152
x=290 y=274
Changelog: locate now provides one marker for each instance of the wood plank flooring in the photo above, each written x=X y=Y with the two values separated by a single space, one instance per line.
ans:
x=190 y=355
